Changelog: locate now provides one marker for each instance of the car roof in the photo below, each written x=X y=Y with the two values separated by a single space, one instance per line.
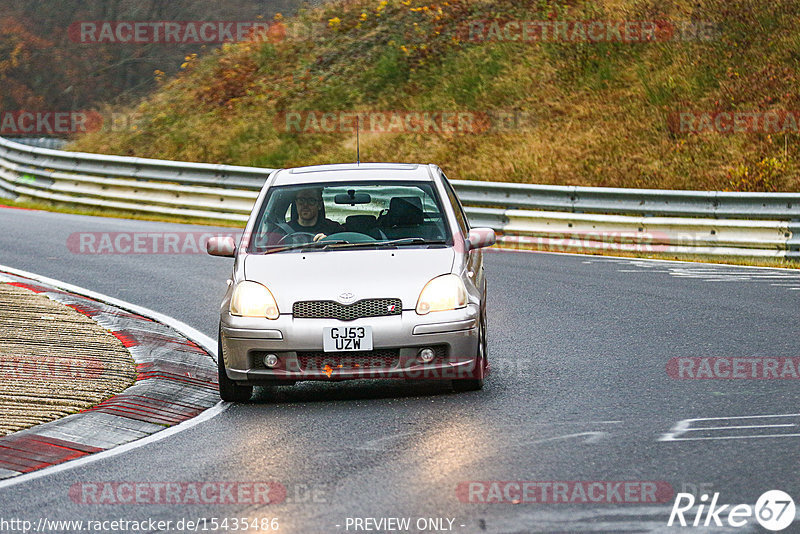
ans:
x=351 y=172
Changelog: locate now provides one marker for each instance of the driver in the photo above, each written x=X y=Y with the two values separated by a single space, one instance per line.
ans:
x=311 y=214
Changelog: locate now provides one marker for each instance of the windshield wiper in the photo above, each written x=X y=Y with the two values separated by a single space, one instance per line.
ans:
x=341 y=243
x=312 y=245
x=395 y=243
x=411 y=241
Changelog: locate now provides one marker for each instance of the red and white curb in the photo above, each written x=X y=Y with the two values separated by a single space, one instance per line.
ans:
x=176 y=381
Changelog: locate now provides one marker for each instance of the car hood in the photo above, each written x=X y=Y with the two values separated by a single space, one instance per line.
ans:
x=327 y=275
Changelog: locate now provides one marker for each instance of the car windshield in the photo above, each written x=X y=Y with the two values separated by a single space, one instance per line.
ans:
x=349 y=216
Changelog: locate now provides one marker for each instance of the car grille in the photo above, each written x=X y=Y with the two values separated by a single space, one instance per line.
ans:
x=330 y=309
x=371 y=359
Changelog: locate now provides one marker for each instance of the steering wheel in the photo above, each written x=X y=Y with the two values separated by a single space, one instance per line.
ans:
x=350 y=237
x=294 y=238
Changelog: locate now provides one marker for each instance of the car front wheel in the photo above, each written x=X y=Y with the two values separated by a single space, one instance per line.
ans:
x=476 y=382
x=229 y=390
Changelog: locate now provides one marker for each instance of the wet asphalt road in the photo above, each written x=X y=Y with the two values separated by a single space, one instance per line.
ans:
x=579 y=391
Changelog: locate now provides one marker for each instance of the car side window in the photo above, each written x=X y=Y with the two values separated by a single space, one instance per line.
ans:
x=461 y=217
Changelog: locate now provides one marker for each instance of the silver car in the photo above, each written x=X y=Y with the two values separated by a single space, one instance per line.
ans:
x=354 y=271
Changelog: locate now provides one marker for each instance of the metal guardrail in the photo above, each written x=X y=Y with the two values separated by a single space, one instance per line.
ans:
x=569 y=218
x=648 y=202
x=55 y=143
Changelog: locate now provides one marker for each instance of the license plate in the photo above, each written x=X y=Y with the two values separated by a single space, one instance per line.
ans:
x=347 y=338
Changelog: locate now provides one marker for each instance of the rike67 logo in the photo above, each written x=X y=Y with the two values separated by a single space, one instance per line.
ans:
x=774 y=510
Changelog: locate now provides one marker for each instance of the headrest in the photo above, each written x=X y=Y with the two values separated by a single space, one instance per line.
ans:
x=404 y=211
x=360 y=221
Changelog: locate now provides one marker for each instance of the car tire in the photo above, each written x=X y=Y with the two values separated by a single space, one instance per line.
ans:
x=229 y=390
x=476 y=384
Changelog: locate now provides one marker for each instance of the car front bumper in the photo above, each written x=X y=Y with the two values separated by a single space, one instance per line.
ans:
x=397 y=340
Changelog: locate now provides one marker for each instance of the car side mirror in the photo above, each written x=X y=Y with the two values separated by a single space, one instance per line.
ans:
x=481 y=238
x=221 y=246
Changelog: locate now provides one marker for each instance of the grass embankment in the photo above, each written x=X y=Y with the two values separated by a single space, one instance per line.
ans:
x=595 y=113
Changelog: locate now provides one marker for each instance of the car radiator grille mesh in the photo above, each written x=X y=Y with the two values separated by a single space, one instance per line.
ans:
x=330 y=309
x=373 y=359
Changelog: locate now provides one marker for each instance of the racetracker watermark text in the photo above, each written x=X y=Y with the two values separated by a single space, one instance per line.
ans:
x=110 y=493
x=587 y=31
x=29 y=369
x=43 y=122
x=734 y=122
x=174 y=32
x=195 y=524
x=142 y=242
x=762 y=368
x=564 y=492
x=403 y=122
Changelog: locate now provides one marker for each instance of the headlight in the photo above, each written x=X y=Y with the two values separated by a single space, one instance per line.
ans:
x=251 y=299
x=446 y=292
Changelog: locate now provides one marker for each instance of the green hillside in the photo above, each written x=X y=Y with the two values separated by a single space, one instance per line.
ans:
x=557 y=109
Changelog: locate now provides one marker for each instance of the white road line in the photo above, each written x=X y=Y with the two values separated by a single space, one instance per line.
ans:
x=647 y=262
x=744 y=417
x=191 y=333
x=734 y=437
x=376 y=444
x=152 y=438
x=731 y=427
x=593 y=437
x=642 y=261
x=576 y=423
x=684 y=426
x=787 y=278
